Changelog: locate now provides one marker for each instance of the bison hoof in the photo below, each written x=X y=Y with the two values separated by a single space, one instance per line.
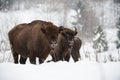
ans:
x=16 y=62
x=49 y=61
x=40 y=62
x=33 y=62
x=76 y=61
x=22 y=62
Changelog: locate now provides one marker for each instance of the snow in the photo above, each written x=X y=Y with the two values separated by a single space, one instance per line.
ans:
x=82 y=70
x=96 y=37
x=106 y=13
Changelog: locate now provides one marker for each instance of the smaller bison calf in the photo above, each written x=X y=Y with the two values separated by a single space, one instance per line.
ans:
x=67 y=45
x=75 y=46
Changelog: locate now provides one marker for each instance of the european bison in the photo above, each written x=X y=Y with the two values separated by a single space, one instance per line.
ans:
x=33 y=40
x=74 y=49
x=66 y=42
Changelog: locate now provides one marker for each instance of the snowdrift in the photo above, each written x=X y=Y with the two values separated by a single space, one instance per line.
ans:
x=82 y=70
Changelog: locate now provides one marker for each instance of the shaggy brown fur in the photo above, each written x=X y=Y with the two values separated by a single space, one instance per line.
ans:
x=32 y=40
x=74 y=49
x=61 y=52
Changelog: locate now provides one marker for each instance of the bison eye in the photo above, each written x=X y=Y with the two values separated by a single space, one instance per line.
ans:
x=43 y=30
x=67 y=35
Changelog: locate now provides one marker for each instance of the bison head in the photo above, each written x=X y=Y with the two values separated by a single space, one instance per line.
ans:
x=51 y=32
x=68 y=33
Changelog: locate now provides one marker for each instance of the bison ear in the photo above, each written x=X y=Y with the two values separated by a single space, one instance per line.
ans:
x=61 y=28
x=63 y=33
x=43 y=30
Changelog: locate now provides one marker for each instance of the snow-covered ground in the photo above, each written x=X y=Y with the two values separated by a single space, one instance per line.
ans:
x=82 y=70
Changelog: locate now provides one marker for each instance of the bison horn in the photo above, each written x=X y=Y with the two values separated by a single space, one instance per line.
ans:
x=75 y=30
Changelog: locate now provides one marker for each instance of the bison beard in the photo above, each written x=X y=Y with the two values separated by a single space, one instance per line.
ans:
x=32 y=40
x=67 y=45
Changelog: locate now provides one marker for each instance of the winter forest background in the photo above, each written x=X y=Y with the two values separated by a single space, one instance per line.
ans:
x=97 y=22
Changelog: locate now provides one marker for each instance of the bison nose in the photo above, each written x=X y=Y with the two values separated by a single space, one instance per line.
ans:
x=71 y=43
x=54 y=42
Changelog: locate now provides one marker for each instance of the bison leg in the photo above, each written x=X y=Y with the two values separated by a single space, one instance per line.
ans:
x=15 y=56
x=32 y=59
x=53 y=57
x=78 y=54
x=40 y=61
x=67 y=57
x=22 y=60
x=75 y=56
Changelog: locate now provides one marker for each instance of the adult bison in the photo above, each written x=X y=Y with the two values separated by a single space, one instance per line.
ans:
x=33 y=40
x=66 y=45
